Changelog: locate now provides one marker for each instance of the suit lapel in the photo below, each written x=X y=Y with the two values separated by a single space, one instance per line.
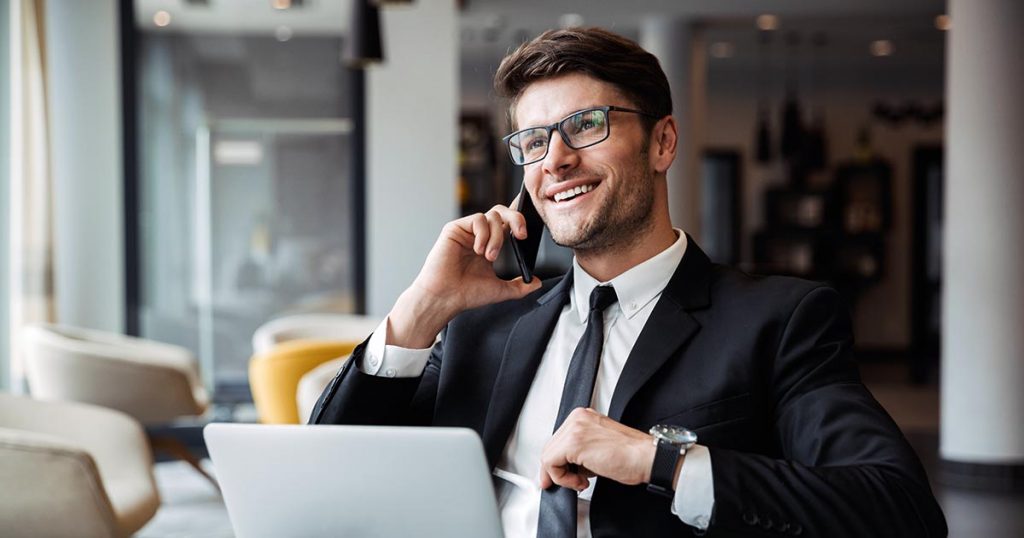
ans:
x=669 y=327
x=524 y=349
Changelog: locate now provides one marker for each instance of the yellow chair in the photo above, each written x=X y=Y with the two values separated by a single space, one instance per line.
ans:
x=274 y=375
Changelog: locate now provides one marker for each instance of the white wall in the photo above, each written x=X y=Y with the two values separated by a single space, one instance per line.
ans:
x=411 y=121
x=85 y=129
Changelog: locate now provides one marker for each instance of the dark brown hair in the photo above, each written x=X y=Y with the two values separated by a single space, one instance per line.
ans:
x=595 y=52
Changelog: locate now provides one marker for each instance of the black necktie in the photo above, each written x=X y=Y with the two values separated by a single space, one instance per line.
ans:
x=557 y=504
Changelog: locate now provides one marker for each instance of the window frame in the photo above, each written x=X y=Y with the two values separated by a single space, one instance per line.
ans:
x=132 y=174
x=5 y=170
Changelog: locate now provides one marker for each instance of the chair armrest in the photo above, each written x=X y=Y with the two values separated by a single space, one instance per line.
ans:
x=59 y=490
x=152 y=392
x=114 y=444
x=118 y=348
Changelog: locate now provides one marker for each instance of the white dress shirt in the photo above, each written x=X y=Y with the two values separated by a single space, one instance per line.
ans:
x=638 y=290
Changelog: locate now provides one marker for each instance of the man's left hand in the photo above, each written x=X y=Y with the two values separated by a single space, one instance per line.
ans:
x=598 y=446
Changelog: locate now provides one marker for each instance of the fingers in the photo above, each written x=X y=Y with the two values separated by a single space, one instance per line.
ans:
x=497 y=235
x=558 y=464
x=488 y=229
x=459 y=274
x=513 y=220
x=481 y=232
x=600 y=446
x=561 y=475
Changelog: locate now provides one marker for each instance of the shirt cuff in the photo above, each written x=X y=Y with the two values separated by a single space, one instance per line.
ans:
x=695 y=491
x=391 y=361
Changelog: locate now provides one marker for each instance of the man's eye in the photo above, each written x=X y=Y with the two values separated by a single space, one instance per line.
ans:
x=587 y=121
x=535 y=142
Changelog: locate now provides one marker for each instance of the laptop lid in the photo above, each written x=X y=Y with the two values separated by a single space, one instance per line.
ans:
x=353 y=481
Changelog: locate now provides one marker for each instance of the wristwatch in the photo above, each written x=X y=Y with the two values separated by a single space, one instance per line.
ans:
x=672 y=442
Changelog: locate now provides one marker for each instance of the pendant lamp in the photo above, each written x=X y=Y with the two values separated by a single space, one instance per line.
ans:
x=763 y=134
x=816 y=145
x=363 y=45
x=791 y=138
x=763 y=137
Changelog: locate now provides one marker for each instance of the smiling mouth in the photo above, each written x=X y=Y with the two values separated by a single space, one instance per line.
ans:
x=573 y=192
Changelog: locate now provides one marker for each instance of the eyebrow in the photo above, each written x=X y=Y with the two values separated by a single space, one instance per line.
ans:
x=534 y=125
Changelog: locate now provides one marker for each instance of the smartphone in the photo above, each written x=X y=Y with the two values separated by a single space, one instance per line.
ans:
x=526 y=249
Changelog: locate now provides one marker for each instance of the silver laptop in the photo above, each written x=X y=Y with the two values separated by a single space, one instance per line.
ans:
x=310 y=481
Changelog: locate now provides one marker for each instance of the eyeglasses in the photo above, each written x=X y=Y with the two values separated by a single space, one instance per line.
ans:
x=579 y=130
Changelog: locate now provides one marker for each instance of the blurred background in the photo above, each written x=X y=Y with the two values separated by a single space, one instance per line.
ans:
x=253 y=182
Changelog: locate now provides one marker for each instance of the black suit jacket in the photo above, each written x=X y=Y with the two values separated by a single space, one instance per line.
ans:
x=759 y=367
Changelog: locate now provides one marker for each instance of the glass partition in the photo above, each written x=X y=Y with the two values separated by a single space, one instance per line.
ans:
x=244 y=196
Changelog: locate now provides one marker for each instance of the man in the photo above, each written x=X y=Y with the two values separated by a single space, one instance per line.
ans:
x=646 y=329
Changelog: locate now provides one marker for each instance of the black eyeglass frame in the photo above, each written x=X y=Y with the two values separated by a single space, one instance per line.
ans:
x=557 y=126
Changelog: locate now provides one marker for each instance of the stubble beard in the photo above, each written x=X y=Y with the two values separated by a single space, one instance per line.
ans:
x=619 y=221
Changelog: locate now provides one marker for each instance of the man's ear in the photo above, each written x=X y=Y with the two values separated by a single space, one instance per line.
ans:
x=664 y=139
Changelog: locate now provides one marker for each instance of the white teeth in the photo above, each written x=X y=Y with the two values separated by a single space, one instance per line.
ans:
x=572 y=193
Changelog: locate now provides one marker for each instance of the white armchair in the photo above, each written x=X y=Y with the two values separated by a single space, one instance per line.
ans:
x=153 y=382
x=325 y=327
x=72 y=470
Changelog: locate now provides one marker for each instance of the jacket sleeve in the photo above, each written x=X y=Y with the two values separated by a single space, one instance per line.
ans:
x=354 y=397
x=846 y=469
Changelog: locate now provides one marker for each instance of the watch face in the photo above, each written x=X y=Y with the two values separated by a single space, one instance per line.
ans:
x=677 y=435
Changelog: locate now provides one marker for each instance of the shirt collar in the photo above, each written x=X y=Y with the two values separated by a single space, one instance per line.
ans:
x=634 y=288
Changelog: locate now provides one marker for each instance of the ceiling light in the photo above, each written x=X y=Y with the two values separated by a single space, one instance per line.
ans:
x=943 y=22
x=283 y=33
x=768 y=22
x=281 y=4
x=238 y=152
x=881 y=47
x=722 y=49
x=571 y=20
x=161 y=18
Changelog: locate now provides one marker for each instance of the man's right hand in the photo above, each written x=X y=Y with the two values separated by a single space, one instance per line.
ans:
x=458 y=275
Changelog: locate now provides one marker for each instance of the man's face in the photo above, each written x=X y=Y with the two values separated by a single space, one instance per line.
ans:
x=617 y=207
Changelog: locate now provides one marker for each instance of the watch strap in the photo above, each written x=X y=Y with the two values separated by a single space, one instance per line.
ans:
x=663 y=471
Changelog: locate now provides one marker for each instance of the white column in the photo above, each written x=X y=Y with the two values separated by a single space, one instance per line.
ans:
x=411 y=144
x=84 y=70
x=983 y=294
x=679 y=46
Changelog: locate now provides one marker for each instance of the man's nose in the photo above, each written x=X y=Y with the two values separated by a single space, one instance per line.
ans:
x=560 y=158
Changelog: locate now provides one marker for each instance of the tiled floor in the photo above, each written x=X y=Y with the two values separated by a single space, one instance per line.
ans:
x=192 y=509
